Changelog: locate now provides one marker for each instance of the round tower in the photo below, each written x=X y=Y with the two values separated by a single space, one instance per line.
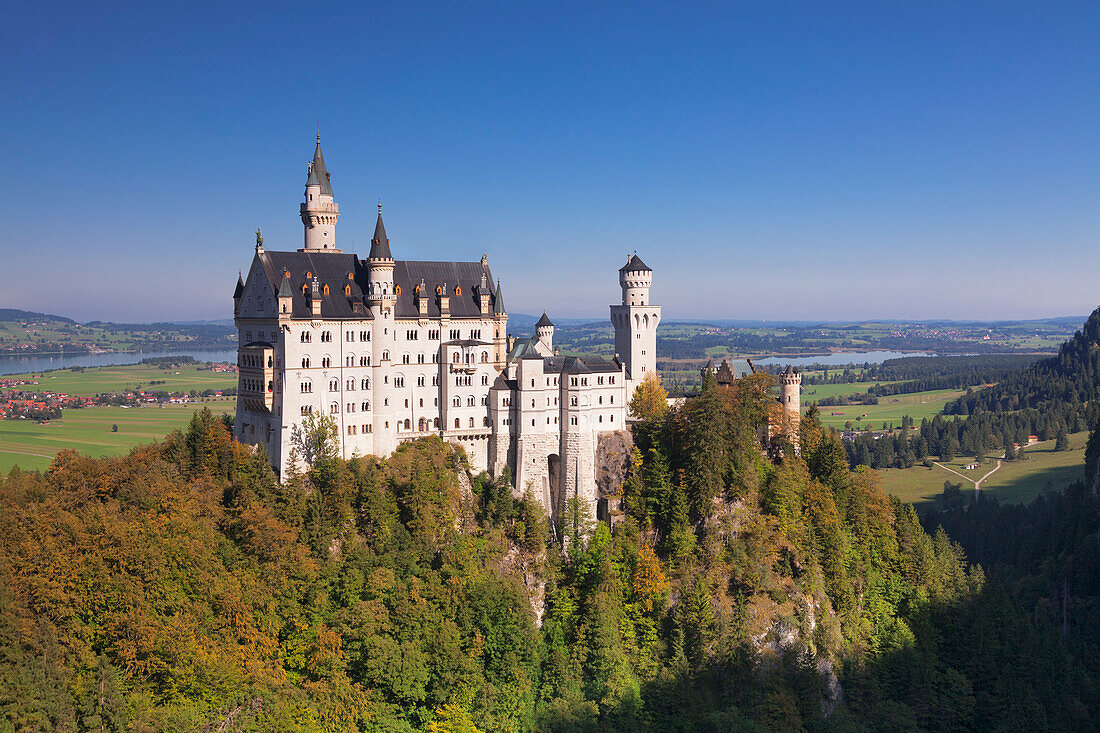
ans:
x=544 y=329
x=635 y=279
x=380 y=262
x=319 y=211
x=790 y=390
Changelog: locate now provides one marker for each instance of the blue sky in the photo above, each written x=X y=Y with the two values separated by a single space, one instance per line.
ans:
x=768 y=159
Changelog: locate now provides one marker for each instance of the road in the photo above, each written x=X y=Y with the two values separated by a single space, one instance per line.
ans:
x=978 y=483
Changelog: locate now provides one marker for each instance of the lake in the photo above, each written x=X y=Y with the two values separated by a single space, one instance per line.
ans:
x=45 y=362
x=839 y=359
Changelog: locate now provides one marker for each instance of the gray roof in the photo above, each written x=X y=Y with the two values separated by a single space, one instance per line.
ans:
x=285 y=290
x=498 y=302
x=544 y=321
x=333 y=269
x=635 y=263
x=580 y=364
x=239 y=290
x=318 y=174
x=379 y=243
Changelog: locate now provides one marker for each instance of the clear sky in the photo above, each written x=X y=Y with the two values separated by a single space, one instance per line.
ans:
x=779 y=160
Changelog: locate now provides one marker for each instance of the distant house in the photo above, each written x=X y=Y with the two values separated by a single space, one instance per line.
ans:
x=970 y=466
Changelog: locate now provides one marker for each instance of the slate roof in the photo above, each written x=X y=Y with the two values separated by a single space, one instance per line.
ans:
x=380 y=243
x=635 y=263
x=332 y=269
x=544 y=321
x=580 y=365
x=318 y=174
x=285 y=290
x=498 y=302
x=239 y=290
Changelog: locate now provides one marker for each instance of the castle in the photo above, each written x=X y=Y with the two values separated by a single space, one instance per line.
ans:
x=396 y=350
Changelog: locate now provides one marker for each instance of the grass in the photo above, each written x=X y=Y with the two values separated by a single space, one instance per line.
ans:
x=1014 y=482
x=96 y=380
x=890 y=409
x=32 y=445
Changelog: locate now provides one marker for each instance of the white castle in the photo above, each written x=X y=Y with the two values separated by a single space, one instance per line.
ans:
x=396 y=350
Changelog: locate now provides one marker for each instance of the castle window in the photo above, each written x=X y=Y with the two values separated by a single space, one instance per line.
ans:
x=350 y=407
x=326 y=362
x=349 y=360
x=470 y=401
x=458 y=290
x=484 y=380
x=333 y=385
x=457 y=424
x=306 y=410
x=573 y=421
x=350 y=386
x=419 y=358
x=435 y=423
x=612 y=418
x=471 y=422
x=457 y=402
x=368 y=428
x=364 y=384
x=612 y=399
x=601 y=418
x=365 y=406
x=305 y=288
x=433 y=335
x=484 y=357
x=397 y=291
x=309 y=275
x=420 y=381
x=455 y=334
x=334 y=408
x=398 y=381
x=364 y=361
x=305 y=362
x=351 y=430
x=385 y=356
x=404 y=358
x=435 y=380
x=305 y=337
x=601 y=399
x=347 y=291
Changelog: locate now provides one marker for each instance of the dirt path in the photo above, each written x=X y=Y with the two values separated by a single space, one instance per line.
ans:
x=978 y=483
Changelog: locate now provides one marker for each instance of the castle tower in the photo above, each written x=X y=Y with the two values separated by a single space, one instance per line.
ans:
x=790 y=397
x=382 y=300
x=319 y=212
x=635 y=322
x=544 y=329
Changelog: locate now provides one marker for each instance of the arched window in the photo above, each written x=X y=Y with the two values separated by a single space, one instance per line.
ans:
x=350 y=385
x=347 y=290
x=435 y=423
x=471 y=422
x=305 y=288
x=455 y=358
x=408 y=424
x=334 y=408
x=366 y=406
x=364 y=384
x=325 y=289
x=484 y=357
x=397 y=291
x=305 y=362
x=457 y=424
x=385 y=356
x=422 y=425
x=349 y=360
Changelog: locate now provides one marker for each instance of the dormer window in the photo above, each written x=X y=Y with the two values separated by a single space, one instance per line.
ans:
x=325 y=289
x=347 y=290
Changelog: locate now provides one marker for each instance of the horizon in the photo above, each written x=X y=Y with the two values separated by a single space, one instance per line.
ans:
x=779 y=163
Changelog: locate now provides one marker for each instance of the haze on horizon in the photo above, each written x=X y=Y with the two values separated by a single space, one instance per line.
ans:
x=770 y=161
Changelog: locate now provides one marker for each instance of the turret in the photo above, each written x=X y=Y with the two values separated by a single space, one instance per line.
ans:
x=635 y=321
x=635 y=278
x=238 y=292
x=544 y=329
x=319 y=211
x=790 y=397
x=380 y=262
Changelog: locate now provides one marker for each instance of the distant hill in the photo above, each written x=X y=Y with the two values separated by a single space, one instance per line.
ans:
x=14 y=314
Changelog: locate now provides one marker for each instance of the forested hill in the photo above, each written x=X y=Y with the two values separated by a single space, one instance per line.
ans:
x=1072 y=378
x=183 y=588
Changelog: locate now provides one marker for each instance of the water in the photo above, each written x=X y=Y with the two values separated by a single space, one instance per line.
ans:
x=44 y=362
x=840 y=359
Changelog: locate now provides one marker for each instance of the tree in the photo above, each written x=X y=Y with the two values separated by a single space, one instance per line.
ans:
x=650 y=400
x=1061 y=441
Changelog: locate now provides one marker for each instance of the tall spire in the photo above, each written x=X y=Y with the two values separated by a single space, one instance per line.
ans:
x=318 y=174
x=498 y=301
x=379 y=243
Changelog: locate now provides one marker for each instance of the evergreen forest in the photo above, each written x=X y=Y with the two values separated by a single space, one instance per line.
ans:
x=183 y=588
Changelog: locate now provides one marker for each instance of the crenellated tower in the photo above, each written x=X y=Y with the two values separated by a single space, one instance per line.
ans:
x=319 y=211
x=544 y=329
x=790 y=397
x=635 y=322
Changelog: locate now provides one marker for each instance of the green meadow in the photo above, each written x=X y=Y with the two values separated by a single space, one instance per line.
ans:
x=32 y=445
x=890 y=409
x=1015 y=482
x=97 y=380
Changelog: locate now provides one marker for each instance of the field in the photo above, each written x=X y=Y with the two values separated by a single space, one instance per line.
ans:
x=890 y=409
x=1014 y=482
x=96 y=380
x=32 y=445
